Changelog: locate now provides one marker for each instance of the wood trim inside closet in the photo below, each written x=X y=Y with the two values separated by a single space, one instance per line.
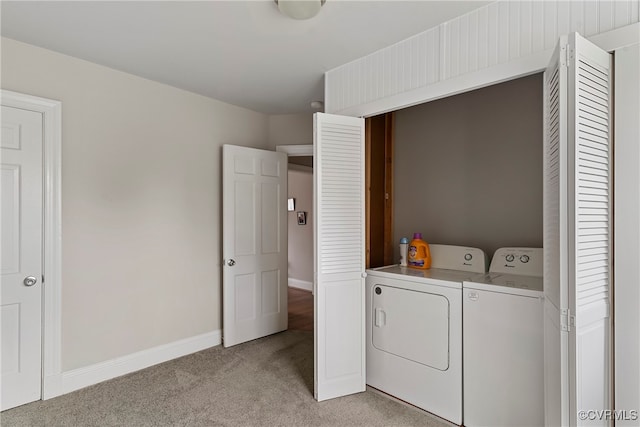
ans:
x=379 y=135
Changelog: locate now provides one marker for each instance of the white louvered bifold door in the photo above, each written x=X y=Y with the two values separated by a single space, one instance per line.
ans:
x=556 y=338
x=577 y=239
x=590 y=233
x=339 y=255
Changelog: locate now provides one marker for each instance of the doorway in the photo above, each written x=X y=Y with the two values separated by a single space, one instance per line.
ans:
x=300 y=236
x=300 y=243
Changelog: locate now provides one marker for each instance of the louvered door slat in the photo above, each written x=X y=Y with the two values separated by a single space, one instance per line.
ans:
x=588 y=114
x=594 y=104
x=592 y=90
x=595 y=158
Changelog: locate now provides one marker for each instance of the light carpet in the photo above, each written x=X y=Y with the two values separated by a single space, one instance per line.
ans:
x=266 y=382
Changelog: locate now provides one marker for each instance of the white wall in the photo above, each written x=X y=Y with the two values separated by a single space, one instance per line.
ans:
x=290 y=129
x=627 y=231
x=301 y=236
x=468 y=168
x=140 y=202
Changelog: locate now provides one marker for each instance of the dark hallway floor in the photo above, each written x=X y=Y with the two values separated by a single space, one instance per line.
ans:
x=300 y=310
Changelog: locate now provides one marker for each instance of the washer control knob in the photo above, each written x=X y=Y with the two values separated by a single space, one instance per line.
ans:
x=468 y=257
x=510 y=258
x=524 y=259
x=378 y=290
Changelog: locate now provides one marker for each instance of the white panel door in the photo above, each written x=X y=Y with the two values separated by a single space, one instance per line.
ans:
x=21 y=256
x=577 y=239
x=254 y=219
x=339 y=255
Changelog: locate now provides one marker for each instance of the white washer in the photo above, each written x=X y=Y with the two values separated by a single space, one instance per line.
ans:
x=414 y=329
x=503 y=342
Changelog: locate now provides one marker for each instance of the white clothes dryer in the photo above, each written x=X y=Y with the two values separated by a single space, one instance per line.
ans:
x=503 y=342
x=414 y=329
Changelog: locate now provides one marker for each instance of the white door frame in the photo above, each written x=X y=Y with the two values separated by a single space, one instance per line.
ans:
x=52 y=234
x=296 y=150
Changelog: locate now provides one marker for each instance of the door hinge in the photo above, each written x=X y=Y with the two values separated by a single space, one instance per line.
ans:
x=42 y=281
x=567 y=321
x=565 y=55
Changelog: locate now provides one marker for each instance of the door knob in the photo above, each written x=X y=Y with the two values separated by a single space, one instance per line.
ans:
x=231 y=262
x=30 y=281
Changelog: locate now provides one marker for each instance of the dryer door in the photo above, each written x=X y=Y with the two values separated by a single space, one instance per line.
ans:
x=412 y=325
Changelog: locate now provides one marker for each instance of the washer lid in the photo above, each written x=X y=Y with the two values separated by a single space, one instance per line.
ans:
x=507 y=283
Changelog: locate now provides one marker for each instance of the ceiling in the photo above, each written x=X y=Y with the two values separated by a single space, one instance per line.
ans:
x=241 y=52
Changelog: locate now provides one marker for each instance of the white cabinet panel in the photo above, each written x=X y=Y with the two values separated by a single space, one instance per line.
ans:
x=496 y=34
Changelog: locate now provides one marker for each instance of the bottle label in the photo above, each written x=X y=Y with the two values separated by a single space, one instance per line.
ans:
x=413 y=252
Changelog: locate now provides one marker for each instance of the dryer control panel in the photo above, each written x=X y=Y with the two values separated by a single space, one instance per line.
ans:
x=522 y=261
x=461 y=258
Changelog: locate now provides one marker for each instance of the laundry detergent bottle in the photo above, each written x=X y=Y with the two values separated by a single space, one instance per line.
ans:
x=419 y=254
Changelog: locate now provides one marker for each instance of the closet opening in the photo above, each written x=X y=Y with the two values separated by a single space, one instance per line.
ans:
x=463 y=170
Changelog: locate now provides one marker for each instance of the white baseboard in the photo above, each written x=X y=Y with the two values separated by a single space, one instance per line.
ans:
x=301 y=284
x=84 y=377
